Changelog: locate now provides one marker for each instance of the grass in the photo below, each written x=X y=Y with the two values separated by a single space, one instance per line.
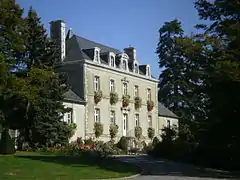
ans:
x=34 y=166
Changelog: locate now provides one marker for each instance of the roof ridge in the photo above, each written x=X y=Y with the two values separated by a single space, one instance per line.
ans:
x=96 y=42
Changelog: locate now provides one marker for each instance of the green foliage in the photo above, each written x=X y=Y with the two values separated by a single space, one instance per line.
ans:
x=155 y=141
x=125 y=100
x=98 y=129
x=71 y=128
x=113 y=130
x=137 y=102
x=113 y=98
x=151 y=133
x=123 y=143
x=6 y=143
x=150 y=105
x=138 y=132
x=97 y=96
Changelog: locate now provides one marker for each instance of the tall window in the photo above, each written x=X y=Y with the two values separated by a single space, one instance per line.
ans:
x=124 y=65
x=136 y=91
x=168 y=124
x=148 y=71
x=112 y=117
x=96 y=115
x=68 y=117
x=111 y=61
x=125 y=88
x=135 y=68
x=97 y=57
x=96 y=83
x=149 y=121
x=112 y=85
x=137 y=122
x=149 y=94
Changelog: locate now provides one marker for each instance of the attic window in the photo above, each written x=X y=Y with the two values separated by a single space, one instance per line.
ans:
x=148 y=71
x=112 y=60
x=97 y=56
x=135 y=68
x=125 y=65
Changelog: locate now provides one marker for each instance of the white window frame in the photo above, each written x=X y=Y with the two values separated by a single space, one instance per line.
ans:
x=137 y=120
x=96 y=115
x=97 y=55
x=149 y=94
x=149 y=121
x=96 y=83
x=136 y=91
x=113 y=117
x=112 y=85
x=135 y=68
x=68 y=117
x=125 y=88
x=124 y=67
x=148 y=71
x=168 y=123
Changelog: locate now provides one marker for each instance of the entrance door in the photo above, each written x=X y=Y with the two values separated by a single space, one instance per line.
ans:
x=125 y=118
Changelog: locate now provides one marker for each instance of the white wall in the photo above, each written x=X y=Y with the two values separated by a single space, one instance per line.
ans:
x=78 y=116
x=163 y=123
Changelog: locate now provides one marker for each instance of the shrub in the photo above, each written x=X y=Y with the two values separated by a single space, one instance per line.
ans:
x=138 y=102
x=113 y=130
x=123 y=143
x=6 y=143
x=150 y=105
x=71 y=128
x=113 y=98
x=125 y=100
x=97 y=96
x=151 y=133
x=138 y=132
x=155 y=141
x=98 y=129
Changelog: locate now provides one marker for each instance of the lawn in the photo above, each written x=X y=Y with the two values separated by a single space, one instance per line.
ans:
x=33 y=166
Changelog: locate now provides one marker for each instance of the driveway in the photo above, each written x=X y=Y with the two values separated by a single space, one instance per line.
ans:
x=168 y=170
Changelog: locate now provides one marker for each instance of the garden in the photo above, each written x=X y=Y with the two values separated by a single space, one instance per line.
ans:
x=81 y=159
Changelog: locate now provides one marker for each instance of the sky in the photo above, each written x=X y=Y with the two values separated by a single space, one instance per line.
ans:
x=118 y=23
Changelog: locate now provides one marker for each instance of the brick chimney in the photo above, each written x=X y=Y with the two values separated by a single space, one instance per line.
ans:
x=131 y=52
x=58 y=33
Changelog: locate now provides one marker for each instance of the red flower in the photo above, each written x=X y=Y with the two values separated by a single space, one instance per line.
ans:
x=150 y=108
x=84 y=146
x=92 y=146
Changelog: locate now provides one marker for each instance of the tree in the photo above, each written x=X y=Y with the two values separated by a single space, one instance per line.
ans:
x=138 y=132
x=224 y=82
x=151 y=133
x=113 y=130
x=98 y=129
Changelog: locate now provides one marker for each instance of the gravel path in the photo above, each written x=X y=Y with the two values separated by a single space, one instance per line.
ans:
x=167 y=170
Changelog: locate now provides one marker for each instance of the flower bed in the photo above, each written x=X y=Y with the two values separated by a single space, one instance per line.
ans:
x=86 y=147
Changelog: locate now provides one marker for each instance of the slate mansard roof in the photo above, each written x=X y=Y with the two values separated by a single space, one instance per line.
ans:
x=79 y=48
x=163 y=111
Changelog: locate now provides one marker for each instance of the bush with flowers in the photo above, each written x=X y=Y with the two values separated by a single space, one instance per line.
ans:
x=82 y=147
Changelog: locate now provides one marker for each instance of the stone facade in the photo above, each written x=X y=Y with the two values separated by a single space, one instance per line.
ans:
x=93 y=67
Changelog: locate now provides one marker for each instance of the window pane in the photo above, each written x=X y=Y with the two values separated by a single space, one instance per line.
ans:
x=124 y=88
x=137 y=123
x=150 y=121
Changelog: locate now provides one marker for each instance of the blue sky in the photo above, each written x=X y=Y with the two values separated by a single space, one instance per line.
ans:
x=118 y=23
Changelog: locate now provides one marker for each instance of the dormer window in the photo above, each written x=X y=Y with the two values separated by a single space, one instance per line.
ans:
x=148 y=73
x=124 y=65
x=97 y=55
x=111 y=59
x=135 y=67
x=124 y=61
